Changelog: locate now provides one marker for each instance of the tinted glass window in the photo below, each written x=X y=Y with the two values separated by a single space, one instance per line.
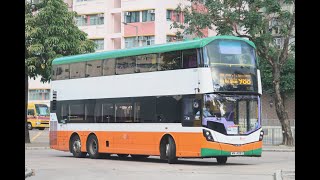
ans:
x=76 y=113
x=94 y=68
x=62 y=72
x=77 y=70
x=168 y=109
x=170 y=60
x=147 y=63
x=126 y=65
x=124 y=112
x=109 y=67
x=189 y=58
x=230 y=52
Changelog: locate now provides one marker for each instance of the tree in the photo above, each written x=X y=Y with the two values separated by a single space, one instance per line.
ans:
x=50 y=32
x=268 y=23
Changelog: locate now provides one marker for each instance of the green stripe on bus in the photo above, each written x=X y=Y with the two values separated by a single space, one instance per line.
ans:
x=205 y=152
x=157 y=48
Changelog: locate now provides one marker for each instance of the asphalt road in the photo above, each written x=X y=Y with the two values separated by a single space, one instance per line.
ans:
x=55 y=165
x=51 y=165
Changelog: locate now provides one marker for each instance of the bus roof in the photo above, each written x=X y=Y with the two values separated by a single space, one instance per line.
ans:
x=157 y=48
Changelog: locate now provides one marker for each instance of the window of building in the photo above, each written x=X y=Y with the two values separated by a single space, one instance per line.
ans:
x=94 y=68
x=81 y=20
x=173 y=16
x=148 y=15
x=147 y=63
x=169 y=15
x=109 y=67
x=133 y=16
x=170 y=60
x=130 y=42
x=126 y=65
x=77 y=70
x=147 y=40
x=97 y=19
x=99 y=43
x=39 y=94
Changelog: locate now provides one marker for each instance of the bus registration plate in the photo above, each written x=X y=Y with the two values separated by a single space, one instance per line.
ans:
x=237 y=153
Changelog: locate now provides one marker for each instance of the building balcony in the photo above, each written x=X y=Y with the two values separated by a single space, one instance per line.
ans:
x=143 y=29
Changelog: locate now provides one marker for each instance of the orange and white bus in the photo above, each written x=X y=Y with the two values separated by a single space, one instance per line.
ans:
x=189 y=99
x=37 y=116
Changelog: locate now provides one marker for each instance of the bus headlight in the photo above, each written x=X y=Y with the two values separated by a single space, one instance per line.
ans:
x=207 y=135
x=261 y=135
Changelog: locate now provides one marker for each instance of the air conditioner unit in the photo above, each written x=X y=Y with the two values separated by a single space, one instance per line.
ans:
x=151 y=11
x=100 y=15
x=128 y=13
x=84 y=16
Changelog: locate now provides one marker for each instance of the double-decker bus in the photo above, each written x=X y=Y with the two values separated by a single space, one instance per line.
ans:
x=190 y=99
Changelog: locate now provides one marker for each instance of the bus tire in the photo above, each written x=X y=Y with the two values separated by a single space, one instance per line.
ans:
x=139 y=157
x=93 y=147
x=222 y=159
x=41 y=128
x=29 y=126
x=171 y=150
x=75 y=147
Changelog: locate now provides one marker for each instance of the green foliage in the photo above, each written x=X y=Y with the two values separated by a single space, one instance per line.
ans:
x=51 y=32
x=287 y=79
x=251 y=19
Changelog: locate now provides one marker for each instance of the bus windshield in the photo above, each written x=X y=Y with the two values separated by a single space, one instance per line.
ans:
x=233 y=65
x=230 y=52
x=42 y=109
x=231 y=114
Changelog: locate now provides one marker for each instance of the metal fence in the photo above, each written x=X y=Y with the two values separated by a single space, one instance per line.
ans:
x=273 y=135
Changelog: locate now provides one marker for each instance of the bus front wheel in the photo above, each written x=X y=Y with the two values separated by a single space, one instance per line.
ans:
x=222 y=159
x=75 y=147
x=93 y=147
x=30 y=126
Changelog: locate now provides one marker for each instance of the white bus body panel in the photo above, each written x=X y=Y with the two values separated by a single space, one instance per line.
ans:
x=159 y=83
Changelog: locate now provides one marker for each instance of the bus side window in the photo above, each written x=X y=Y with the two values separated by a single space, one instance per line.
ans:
x=189 y=58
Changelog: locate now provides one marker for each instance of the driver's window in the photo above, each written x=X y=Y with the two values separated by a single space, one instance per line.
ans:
x=191 y=111
x=30 y=112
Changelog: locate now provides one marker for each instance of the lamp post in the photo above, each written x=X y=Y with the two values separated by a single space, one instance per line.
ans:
x=136 y=31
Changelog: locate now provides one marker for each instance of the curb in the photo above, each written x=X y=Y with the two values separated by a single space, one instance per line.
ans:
x=279 y=150
x=36 y=148
x=29 y=172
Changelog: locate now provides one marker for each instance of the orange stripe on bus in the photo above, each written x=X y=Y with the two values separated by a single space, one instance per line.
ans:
x=187 y=144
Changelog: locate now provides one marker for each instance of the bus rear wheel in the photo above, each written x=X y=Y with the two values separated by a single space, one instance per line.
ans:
x=93 y=147
x=171 y=150
x=75 y=147
x=222 y=159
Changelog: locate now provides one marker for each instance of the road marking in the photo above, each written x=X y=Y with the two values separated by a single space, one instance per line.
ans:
x=39 y=133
